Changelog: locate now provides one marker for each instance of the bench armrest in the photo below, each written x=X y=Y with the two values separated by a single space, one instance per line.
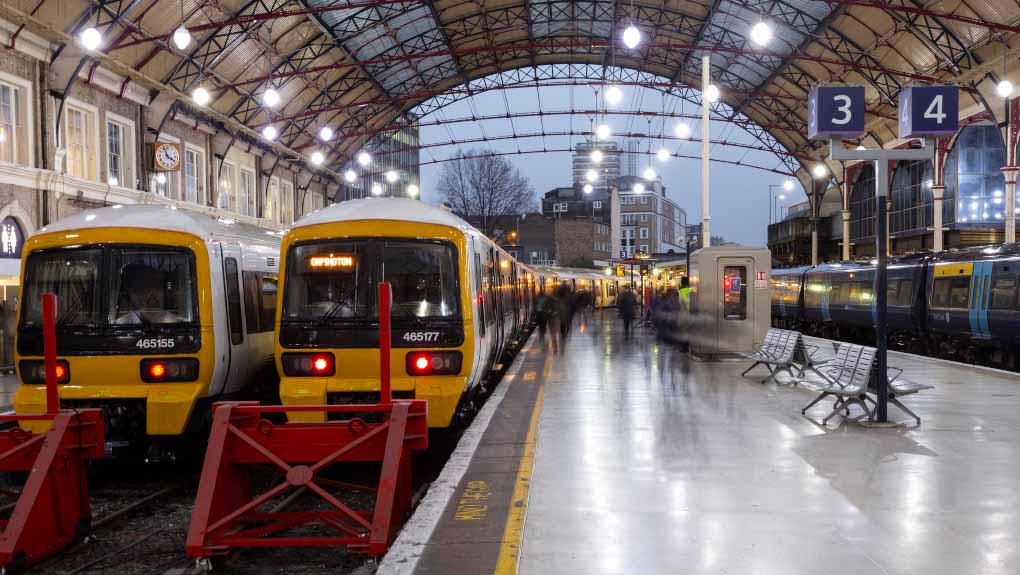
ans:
x=898 y=370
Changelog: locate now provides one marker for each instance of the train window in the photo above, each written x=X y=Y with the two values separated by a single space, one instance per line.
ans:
x=892 y=292
x=72 y=275
x=424 y=278
x=270 y=286
x=328 y=281
x=478 y=294
x=251 y=300
x=230 y=279
x=735 y=292
x=1003 y=293
x=950 y=292
x=905 y=293
x=838 y=292
x=151 y=286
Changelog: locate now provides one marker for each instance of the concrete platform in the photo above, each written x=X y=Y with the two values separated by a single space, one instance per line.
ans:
x=647 y=462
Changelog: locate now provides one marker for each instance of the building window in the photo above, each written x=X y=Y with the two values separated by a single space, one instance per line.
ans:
x=13 y=131
x=912 y=202
x=974 y=178
x=228 y=176
x=597 y=204
x=286 y=202
x=115 y=152
x=644 y=200
x=862 y=205
x=246 y=193
x=644 y=233
x=272 y=200
x=80 y=133
x=644 y=248
x=644 y=218
x=194 y=175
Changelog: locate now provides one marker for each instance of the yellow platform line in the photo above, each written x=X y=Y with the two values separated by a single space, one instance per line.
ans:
x=510 y=547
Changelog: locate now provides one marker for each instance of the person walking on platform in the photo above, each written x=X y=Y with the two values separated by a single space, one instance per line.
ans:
x=685 y=294
x=627 y=304
x=542 y=305
x=564 y=309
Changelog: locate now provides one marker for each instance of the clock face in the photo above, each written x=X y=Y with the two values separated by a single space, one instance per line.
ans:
x=167 y=156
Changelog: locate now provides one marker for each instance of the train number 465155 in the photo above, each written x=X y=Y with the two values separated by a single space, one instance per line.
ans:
x=155 y=343
x=421 y=336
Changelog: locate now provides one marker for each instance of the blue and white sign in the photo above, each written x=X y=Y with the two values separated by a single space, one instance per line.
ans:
x=835 y=111
x=929 y=111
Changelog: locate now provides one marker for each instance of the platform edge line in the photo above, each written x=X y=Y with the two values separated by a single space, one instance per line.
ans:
x=403 y=556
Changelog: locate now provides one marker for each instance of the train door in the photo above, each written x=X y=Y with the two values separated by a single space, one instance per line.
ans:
x=736 y=301
x=497 y=307
x=978 y=305
x=237 y=358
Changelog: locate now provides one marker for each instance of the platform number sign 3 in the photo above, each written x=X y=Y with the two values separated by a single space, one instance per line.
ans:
x=835 y=111
x=929 y=111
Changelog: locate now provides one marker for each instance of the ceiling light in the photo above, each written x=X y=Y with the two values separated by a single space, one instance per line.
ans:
x=201 y=96
x=325 y=133
x=712 y=93
x=860 y=147
x=761 y=33
x=1004 y=89
x=318 y=158
x=182 y=37
x=91 y=38
x=782 y=196
x=412 y=190
x=638 y=188
x=603 y=132
x=614 y=95
x=631 y=37
x=788 y=185
x=649 y=174
x=364 y=159
x=820 y=171
x=591 y=175
x=391 y=176
x=662 y=154
x=269 y=133
x=271 y=97
x=683 y=130
x=377 y=189
x=588 y=188
x=596 y=156
x=351 y=176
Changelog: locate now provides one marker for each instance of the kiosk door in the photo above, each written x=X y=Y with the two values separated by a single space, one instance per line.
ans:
x=736 y=306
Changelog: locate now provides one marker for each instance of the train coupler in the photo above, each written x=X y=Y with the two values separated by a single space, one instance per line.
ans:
x=268 y=484
x=52 y=510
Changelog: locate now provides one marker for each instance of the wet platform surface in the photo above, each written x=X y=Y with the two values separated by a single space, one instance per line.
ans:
x=646 y=461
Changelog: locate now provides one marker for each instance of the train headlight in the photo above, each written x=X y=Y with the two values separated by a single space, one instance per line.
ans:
x=433 y=363
x=169 y=369
x=33 y=372
x=308 y=364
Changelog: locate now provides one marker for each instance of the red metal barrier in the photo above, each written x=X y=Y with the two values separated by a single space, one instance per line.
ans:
x=236 y=508
x=52 y=510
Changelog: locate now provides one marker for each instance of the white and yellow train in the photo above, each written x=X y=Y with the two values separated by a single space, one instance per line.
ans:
x=160 y=312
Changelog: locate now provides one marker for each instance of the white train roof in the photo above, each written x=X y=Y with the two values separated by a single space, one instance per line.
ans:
x=397 y=209
x=164 y=218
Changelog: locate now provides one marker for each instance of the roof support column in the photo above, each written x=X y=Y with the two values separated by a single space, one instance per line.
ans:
x=706 y=234
x=846 y=217
x=938 y=191
x=1010 y=212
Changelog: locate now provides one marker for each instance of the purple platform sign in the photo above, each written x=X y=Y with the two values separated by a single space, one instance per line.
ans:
x=835 y=111
x=929 y=111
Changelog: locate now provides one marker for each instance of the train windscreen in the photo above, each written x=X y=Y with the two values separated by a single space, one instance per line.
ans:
x=330 y=282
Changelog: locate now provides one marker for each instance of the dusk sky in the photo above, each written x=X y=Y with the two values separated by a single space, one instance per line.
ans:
x=740 y=195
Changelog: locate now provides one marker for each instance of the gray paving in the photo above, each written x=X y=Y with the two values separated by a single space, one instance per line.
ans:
x=648 y=462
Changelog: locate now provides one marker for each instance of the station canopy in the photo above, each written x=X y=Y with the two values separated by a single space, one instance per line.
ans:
x=361 y=65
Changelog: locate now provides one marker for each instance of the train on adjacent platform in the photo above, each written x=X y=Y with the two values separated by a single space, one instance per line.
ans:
x=958 y=304
x=160 y=312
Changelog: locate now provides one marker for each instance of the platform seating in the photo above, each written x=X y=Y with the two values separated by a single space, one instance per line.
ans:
x=899 y=386
x=846 y=377
x=777 y=353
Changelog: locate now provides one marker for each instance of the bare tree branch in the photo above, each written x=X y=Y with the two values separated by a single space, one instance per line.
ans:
x=485 y=187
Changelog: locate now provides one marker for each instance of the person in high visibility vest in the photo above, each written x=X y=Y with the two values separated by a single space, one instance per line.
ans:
x=685 y=294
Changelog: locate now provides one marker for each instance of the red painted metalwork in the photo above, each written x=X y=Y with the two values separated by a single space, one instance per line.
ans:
x=52 y=510
x=229 y=514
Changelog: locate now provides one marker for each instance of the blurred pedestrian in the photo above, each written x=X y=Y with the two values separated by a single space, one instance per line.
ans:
x=685 y=294
x=627 y=305
x=564 y=309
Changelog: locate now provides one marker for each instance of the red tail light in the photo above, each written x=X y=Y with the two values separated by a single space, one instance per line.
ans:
x=308 y=364
x=170 y=369
x=33 y=372
x=433 y=363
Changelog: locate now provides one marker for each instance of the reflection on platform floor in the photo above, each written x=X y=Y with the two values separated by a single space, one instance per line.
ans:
x=648 y=462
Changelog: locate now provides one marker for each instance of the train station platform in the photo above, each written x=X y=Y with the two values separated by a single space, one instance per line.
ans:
x=629 y=457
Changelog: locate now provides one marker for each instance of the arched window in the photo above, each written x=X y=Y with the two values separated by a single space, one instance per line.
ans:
x=862 y=205
x=975 y=185
x=911 y=197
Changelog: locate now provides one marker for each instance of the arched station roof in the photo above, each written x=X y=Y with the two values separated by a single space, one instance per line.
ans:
x=359 y=65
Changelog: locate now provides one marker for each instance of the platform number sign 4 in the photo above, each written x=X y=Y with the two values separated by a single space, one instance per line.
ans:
x=929 y=111
x=835 y=111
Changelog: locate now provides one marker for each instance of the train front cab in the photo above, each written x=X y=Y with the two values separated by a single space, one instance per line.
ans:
x=455 y=309
x=129 y=299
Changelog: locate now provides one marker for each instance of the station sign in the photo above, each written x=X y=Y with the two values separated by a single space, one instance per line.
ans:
x=835 y=111
x=11 y=238
x=929 y=111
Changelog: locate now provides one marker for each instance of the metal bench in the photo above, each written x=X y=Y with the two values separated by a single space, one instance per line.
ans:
x=777 y=353
x=846 y=378
x=898 y=387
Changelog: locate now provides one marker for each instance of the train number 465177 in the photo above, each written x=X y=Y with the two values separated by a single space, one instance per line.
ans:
x=421 y=336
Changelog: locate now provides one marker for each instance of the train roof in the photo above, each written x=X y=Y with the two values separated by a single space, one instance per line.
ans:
x=167 y=218
x=399 y=209
x=993 y=251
